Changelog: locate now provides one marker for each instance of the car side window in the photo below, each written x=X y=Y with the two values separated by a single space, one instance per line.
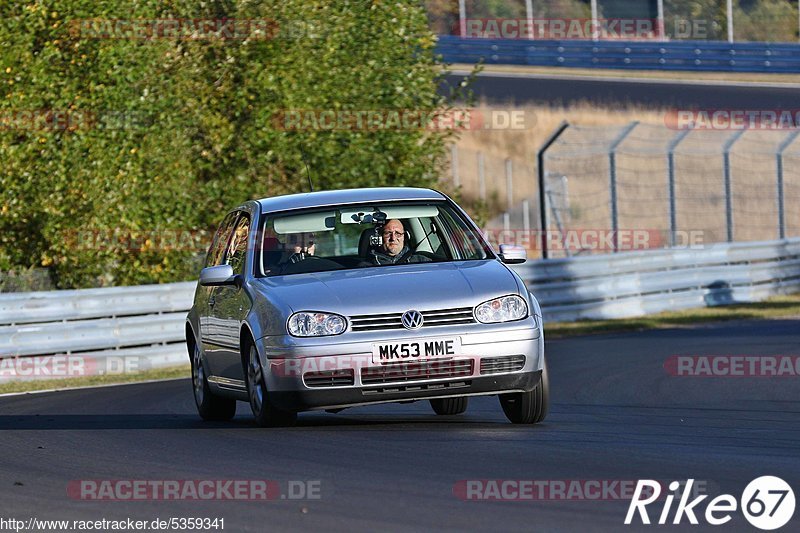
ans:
x=237 y=249
x=464 y=247
x=432 y=242
x=217 y=251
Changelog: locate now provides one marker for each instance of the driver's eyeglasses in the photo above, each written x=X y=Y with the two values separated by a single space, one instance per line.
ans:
x=397 y=234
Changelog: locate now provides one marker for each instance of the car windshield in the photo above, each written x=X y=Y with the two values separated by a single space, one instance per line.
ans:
x=375 y=235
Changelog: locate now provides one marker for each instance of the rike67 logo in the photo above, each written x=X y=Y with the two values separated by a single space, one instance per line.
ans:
x=767 y=503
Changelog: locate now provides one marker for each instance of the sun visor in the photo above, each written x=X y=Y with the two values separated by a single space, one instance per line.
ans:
x=305 y=223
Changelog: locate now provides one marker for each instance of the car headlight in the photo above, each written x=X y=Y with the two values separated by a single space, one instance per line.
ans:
x=311 y=324
x=503 y=309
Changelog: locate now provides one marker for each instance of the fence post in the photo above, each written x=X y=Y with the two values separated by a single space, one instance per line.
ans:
x=481 y=177
x=529 y=17
x=726 y=160
x=526 y=217
x=781 y=205
x=454 y=163
x=729 y=13
x=542 y=196
x=509 y=184
x=462 y=19
x=612 y=174
x=673 y=221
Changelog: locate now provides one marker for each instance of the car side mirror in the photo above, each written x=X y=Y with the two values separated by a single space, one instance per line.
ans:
x=511 y=254
x=217 y=276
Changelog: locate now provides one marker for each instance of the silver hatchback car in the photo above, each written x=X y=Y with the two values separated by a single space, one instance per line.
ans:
x=338 y=299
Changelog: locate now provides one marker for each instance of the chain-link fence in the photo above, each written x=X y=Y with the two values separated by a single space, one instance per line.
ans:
x=639 y=186
x=750 y=21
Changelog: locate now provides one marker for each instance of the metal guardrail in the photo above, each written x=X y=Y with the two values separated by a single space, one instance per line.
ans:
x=52 y=306
x=639 y=283
x=98 y=330
x=147 y=322
x=642 y=55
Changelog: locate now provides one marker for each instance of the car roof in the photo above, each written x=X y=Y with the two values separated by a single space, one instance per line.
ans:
x=346 y=196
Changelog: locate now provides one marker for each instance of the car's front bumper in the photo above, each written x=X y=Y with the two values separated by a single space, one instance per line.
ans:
x=493 y=359
x=339 y=398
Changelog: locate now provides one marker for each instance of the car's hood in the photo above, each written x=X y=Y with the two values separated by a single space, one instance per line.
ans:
x=392 y=289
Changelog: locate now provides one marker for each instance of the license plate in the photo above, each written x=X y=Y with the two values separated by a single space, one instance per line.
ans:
x=394 y=352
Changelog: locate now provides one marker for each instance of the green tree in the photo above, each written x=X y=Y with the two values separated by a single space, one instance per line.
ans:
x=765 y=20
x=166 y=134
x=695 y=19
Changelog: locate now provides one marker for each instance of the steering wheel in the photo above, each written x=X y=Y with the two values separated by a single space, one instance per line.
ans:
x=302 y=256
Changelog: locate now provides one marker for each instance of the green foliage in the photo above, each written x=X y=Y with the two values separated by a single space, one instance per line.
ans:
x=167 y=134
x=753 y=20
x=765 y=20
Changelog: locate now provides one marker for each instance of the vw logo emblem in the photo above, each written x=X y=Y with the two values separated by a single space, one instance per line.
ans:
x=412 y=319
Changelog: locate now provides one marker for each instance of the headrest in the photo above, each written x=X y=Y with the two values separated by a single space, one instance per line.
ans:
x=271 y=244
x=363 y=242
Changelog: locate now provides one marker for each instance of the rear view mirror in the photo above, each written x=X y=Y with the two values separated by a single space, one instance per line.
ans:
x=217 y=276
x=512 y=254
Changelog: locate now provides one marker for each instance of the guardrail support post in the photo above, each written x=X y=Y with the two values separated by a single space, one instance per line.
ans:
x=612 y=174
x=673 y=220
x=781 y=205
x=542 y=192
x=726 y=160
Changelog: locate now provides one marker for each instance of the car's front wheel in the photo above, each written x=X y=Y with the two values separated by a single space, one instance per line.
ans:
x=450 y=406
x=528 y=407
x=209 y=406
x=265 y=413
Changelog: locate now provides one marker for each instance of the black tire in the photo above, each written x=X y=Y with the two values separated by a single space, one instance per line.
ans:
x=265 y=413
x=528 y=407
x=209 y=406
x=450 y=406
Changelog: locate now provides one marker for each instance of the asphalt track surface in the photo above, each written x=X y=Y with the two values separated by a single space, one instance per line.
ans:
x=616 y=415
x=552 y=90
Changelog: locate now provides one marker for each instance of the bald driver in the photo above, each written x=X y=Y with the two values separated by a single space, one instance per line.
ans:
x=394 y=248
